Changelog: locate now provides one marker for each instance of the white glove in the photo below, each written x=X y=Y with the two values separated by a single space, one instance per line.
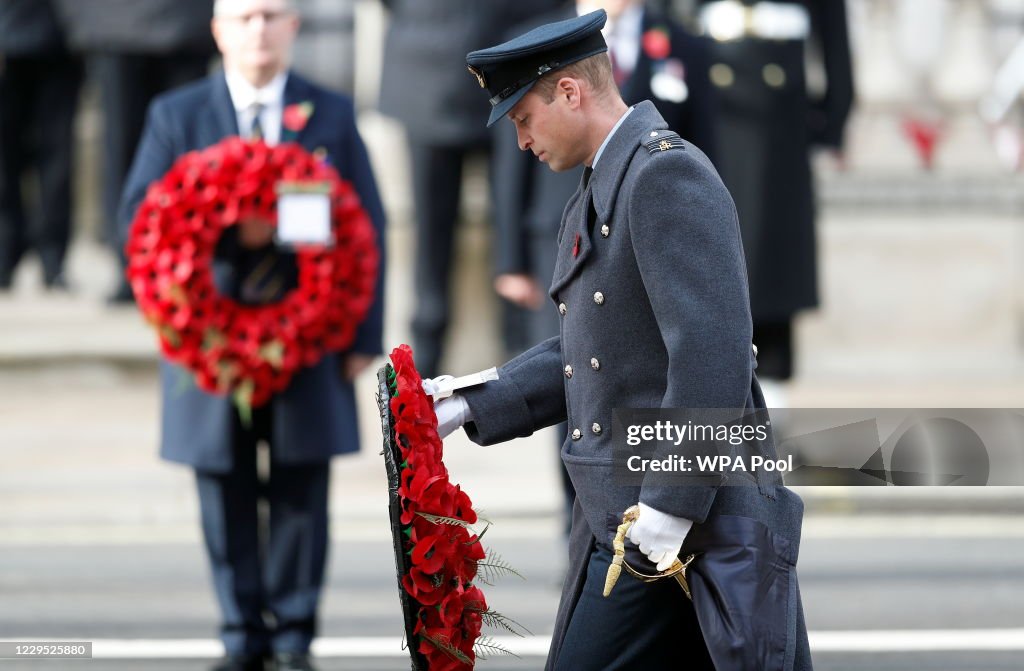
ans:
x=659 y=535
x=452 y=412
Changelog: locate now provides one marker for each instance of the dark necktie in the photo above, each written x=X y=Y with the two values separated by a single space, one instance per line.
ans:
x=265 y=279
x=256 y=129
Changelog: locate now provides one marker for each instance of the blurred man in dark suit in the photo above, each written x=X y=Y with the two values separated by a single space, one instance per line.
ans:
x=39 y=83
x=315 y=417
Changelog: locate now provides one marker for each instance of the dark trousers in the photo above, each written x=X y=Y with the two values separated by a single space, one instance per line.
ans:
x=128 y=83
x=639 y=626
x=273 y=566
x=38 y=98
x=436 y=189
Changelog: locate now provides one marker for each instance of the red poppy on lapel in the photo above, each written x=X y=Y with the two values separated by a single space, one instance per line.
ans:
x=656 y=43
x=297 y=116
x=576 y=246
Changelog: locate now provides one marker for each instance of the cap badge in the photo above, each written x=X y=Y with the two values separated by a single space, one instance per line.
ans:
x=479 y=74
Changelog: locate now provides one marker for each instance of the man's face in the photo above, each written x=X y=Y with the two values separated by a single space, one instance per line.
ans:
x=255 y=36
x=551 y=130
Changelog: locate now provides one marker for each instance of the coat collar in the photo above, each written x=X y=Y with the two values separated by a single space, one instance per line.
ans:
x=604 y=183
x=574 y=238
x=223 y=109
x=297 y=91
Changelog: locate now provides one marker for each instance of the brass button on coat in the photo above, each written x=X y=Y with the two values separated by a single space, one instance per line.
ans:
x=595 y=364
x=568 y=371
x=599 y=298
x=576 y=434
x=562 y=309
x=596 y=428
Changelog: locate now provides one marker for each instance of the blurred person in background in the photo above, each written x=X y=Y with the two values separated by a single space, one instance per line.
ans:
x=654 y=59
x=136 y=50
x=768 y=122
x=314 y=418
x=424 y=86
x=39 y=85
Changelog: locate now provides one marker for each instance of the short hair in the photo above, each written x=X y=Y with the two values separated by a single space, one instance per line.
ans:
x=219 y=6
x=596 y=70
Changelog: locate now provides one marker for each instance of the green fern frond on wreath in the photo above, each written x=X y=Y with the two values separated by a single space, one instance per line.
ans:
x=494 y=567
x=496 y=620
x=486 y=647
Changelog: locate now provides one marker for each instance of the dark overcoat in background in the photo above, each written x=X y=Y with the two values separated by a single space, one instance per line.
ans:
x=651 y=290
x=139 y=26
x=768 y=122
x=424 y=83
x=425 y=86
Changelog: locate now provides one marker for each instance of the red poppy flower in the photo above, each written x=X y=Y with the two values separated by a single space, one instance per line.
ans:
x=656 y=43
x=297 y=116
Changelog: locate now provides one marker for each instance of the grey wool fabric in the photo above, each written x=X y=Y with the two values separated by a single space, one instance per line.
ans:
x=651 y=286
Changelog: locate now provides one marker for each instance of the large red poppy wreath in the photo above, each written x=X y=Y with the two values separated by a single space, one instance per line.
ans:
x=249 y=351
x=443 y=552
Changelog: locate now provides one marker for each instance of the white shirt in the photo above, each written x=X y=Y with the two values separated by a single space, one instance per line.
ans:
x=245 y=96
x=604 y=144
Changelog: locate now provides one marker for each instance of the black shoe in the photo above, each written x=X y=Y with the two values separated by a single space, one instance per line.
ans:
x=241 y=663
x=122 y=295
x=293 y=661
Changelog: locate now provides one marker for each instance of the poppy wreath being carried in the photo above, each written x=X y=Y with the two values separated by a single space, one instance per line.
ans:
x=438 y=553
x=247 y=351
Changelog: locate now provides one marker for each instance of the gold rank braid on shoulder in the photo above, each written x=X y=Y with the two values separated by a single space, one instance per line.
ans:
x=659 y=141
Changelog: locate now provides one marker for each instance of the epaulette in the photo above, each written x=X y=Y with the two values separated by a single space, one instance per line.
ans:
x=663 y=140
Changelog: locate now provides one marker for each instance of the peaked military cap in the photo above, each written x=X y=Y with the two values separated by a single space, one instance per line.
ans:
x=508 y=71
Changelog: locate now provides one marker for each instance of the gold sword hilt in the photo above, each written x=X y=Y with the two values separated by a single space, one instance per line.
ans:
x=677 y=570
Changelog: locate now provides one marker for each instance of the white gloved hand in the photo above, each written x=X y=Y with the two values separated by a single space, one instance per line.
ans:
x=432 y=384
x=452 y=412
x=659 y=535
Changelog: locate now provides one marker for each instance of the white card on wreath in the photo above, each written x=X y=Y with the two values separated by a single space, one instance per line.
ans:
x=304 y=217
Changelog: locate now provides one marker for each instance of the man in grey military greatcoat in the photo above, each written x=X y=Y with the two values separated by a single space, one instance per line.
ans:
x=652 y=292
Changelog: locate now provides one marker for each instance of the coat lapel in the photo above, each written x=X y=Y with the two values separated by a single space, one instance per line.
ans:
x=575 y=244
x=298 y=109
x=224 y=121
